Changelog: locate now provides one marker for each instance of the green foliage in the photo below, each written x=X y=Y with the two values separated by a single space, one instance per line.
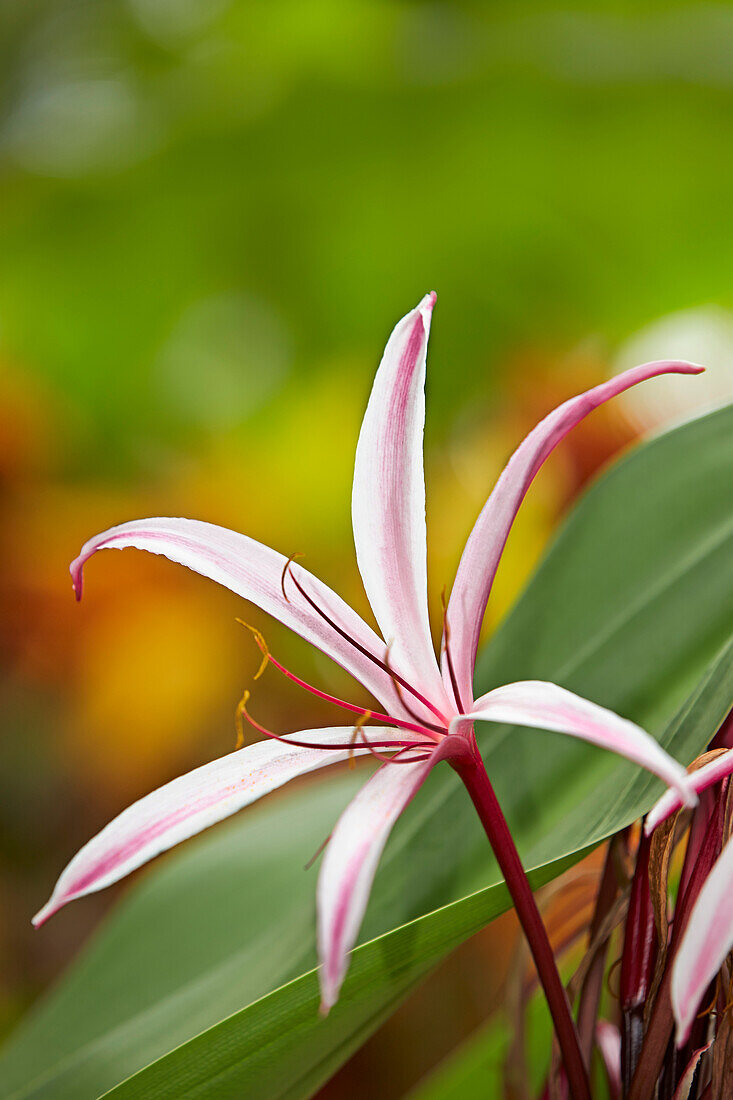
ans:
x=476 y=1070
x=205 y=974
x=550 y=173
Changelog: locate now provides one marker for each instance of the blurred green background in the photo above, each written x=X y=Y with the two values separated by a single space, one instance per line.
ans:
x=211 y=215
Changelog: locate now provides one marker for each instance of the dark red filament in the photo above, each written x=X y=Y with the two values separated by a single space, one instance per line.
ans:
x=394 y=676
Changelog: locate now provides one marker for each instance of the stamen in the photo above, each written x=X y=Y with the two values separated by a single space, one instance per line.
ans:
x=709 y=1008
x=317 y=852
x=262 y=644
x=400 y=696
x=446 y=647
x=357 y=645
x=419 y=727
x=398 y=746
x=729 y=1002
x=238 y=715
x=357 y=730
x=286 y=567
x=395 y=758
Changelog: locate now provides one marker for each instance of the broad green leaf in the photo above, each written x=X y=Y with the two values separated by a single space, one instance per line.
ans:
x=212 y=952
x=280 y=1048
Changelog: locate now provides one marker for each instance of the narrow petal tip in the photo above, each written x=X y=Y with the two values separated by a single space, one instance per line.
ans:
x=684 y=1027
x=77 y=576
x=424 y=310
x=52 y=906
x=330 y=988
x=669 y=366
x=683 y=366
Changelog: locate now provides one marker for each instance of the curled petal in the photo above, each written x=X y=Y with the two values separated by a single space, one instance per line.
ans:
x=388 y=501
x=546 y=706
x=351 y=859
x=190 y=804
x=255 y=572
x=699 y=780
x=707 y=940
x=486 y=542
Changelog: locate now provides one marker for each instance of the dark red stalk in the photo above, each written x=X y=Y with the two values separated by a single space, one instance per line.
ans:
x=358 y=646
x=676 y=1061
x=705 y=810
x=590 y=993
x=637 y=963
x=661 y=1023
x=470 y=768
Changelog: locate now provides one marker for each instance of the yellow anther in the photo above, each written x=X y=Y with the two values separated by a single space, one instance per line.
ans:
x=355 y=735
x=709 y=1008
x=239 y=715
x=260 y=639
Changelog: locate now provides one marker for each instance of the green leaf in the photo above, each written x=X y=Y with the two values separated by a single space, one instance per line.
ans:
x=206 y=970
x=280 y=1048
x=475 y=1069
x=472 y=1072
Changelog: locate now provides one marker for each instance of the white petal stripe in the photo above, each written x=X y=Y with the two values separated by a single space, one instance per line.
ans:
x=388 y=502
x=255 y=572
x=547 y=706
x=191 y=803
x=485 y=544
x=350 y=863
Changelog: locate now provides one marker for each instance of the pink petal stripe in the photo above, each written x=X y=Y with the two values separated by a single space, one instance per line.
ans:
x=486 y=542
x=350 y=863
x=699 y=780
x=255 y=572
x=388 y=502
x=546 y=706
x=190 y=804
x=707 y=940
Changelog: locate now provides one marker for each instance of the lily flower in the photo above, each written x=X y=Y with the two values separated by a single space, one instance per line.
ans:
x=427 y=710
x=708 y=935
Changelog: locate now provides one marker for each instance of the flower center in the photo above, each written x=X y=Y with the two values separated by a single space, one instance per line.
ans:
x=409 y=750
x=383 y=664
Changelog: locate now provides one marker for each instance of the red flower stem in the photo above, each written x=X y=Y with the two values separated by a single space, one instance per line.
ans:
x=470 y=768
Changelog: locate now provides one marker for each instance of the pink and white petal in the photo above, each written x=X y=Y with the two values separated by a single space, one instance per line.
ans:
x=706 y=941
x=350 y=863
x=388 y=502
x=255 y=572
x=192 y=803
x=547 y=706
x=486 y=542
x=699 y=780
